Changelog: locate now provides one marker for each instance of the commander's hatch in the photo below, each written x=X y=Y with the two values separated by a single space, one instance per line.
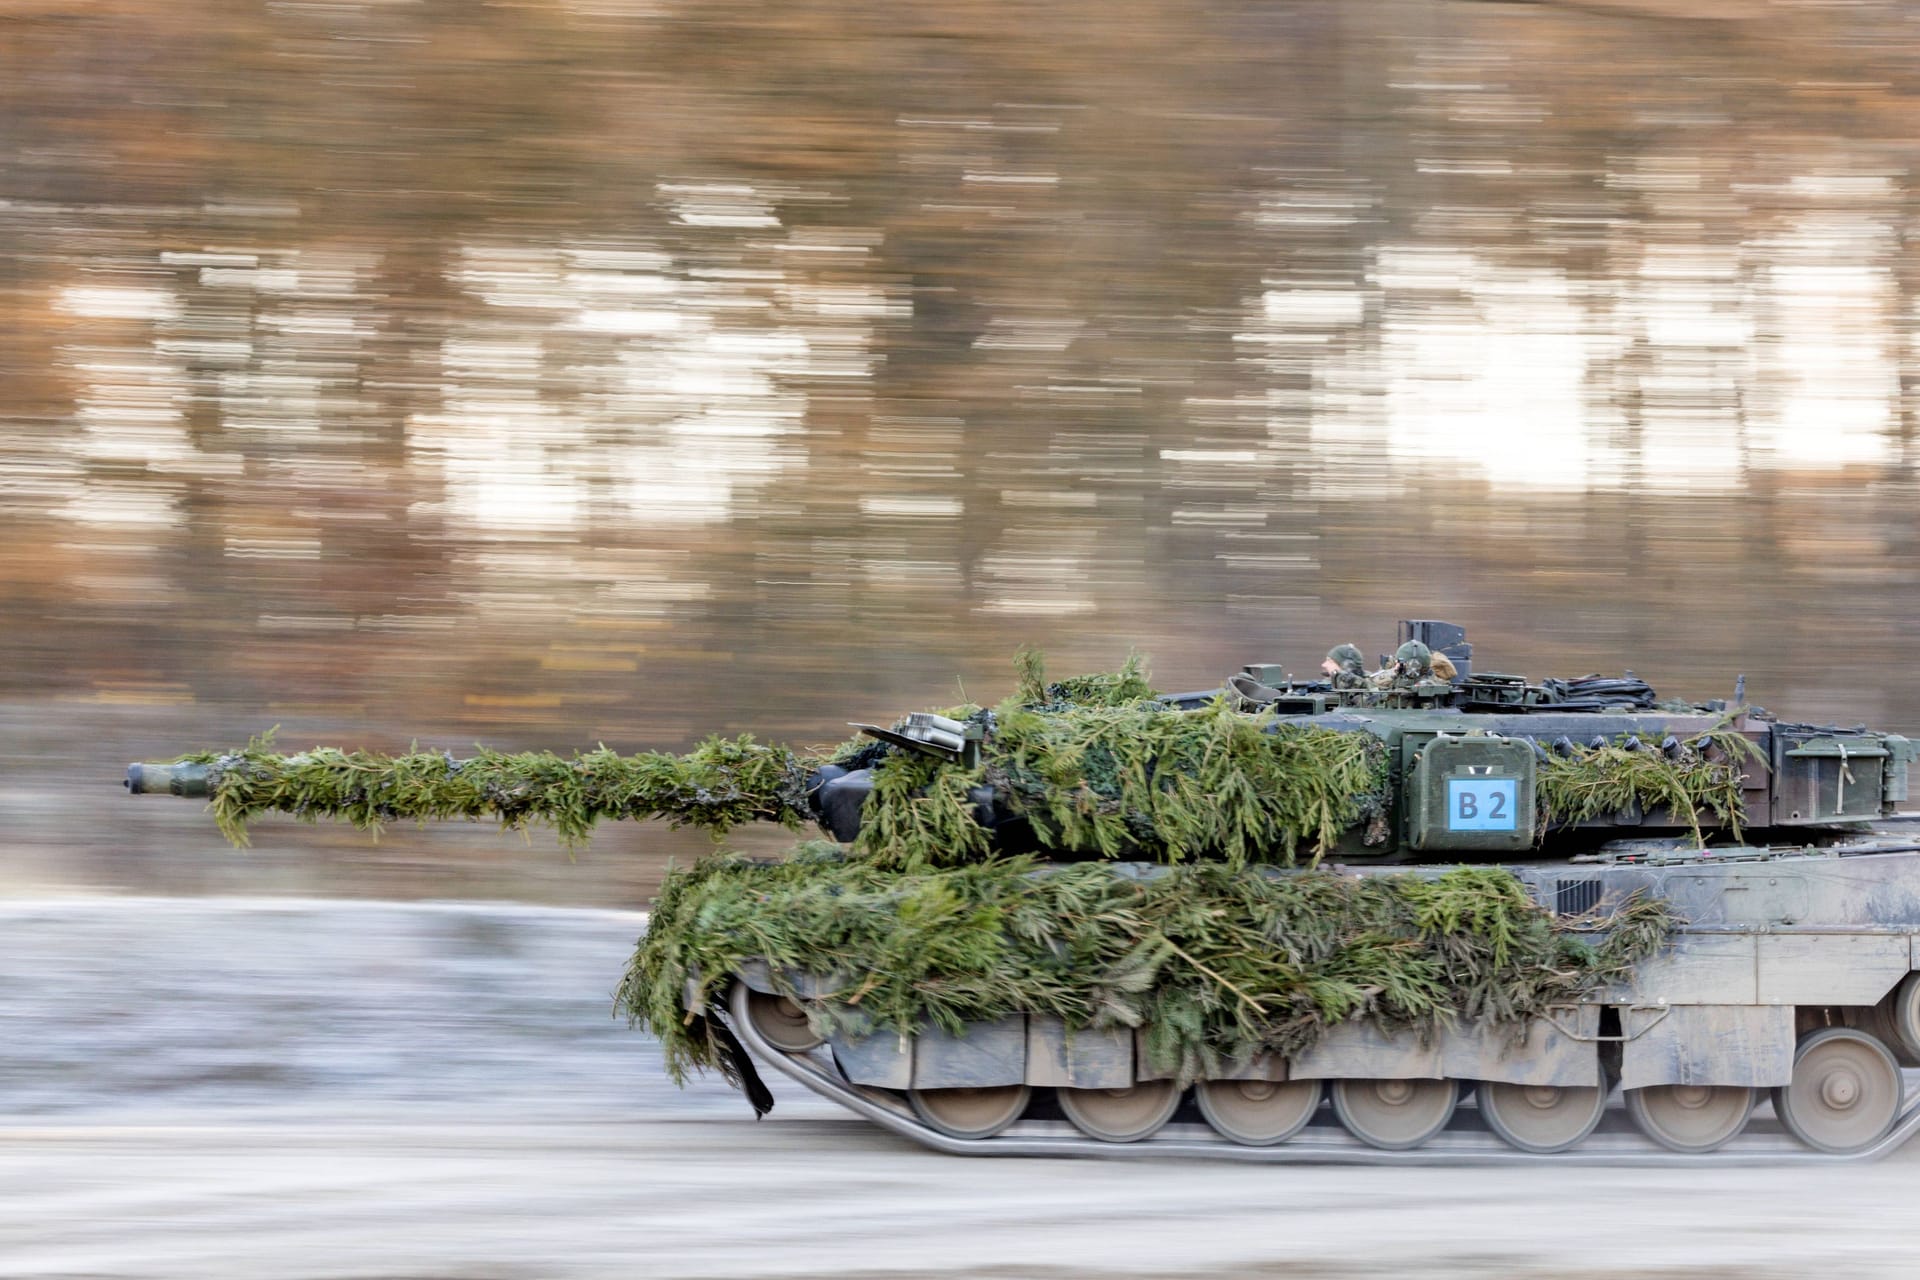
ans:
x=1449 y=638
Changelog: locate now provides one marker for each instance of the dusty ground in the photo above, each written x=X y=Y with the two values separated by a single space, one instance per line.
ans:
x=201 y=1088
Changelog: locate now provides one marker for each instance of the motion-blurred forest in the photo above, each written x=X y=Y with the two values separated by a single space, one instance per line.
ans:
x=546 y=373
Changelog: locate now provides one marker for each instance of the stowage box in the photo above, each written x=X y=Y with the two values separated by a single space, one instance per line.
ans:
x=1471 y=792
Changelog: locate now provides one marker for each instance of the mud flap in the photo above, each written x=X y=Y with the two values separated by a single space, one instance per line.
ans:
x=736 y=1064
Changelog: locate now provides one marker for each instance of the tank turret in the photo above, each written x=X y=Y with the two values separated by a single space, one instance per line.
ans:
x=1406 y=768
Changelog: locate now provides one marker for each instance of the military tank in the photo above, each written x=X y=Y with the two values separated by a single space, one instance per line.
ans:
x=1420 y=914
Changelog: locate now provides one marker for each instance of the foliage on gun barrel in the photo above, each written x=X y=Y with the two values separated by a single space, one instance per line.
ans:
x=718 y=785
x=1216 y=963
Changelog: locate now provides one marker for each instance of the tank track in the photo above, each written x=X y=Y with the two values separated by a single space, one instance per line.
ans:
x=1463 y=1142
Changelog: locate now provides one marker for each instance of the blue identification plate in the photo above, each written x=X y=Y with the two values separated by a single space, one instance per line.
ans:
x=1481 y=804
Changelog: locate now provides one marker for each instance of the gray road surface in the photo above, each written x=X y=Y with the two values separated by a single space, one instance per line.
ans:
x=211 y=1088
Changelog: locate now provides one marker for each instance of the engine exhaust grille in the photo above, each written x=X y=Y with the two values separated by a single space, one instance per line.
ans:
x=1576 y=897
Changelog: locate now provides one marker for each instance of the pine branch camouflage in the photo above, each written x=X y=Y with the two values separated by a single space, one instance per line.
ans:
x=1215 y=955
x=1214 y=963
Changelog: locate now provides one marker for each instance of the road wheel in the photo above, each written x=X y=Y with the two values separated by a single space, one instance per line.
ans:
x=1121 y=1115
x=1845 y=1094
x=1691 y=1117
x=1541 y=1118
x=782 y=1021
x=1258 y=1113
x=970 y=1113
x=1395 y=1115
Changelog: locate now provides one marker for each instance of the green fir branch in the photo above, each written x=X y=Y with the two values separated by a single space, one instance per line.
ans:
x=717 y=786
x=1214 y=963
x=1706 y=778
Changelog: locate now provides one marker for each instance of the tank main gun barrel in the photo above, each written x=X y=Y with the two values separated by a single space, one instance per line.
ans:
x=167 y=779
x=717 y=786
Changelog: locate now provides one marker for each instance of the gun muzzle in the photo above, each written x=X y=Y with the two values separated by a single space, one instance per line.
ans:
x=167 y=779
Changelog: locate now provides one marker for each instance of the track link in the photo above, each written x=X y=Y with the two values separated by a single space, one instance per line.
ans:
x=1316 y=1144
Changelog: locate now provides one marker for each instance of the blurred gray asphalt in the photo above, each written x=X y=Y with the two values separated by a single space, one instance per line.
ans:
x=223 y=1088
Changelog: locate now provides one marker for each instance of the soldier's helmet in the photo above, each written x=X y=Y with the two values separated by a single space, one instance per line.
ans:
x=1348 y=658
x=1414 y=654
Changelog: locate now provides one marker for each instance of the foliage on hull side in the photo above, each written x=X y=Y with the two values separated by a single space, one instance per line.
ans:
x=1214 y=962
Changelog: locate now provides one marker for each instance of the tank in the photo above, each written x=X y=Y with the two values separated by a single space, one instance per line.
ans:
x=1425 y=913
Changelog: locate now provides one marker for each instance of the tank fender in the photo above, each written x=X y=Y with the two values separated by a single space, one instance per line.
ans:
x=985 y=1055
x=883 y=1060
x=1709 y=1044
x=758 y=976
x=1362 y=1051
x=1831 y=968
x=1084 y=1059
x=1260 y=1066
x=1541 y=1053
x=1562 y=1050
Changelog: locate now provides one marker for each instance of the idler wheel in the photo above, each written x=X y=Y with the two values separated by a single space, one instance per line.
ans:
x=1845 y=1093
x=782 y=1021
x=970 y=1113
x=1395 y=1115
x=1121 y=1115
x=1258 y=1113
x=1541 y=1118
x=1691 y=1117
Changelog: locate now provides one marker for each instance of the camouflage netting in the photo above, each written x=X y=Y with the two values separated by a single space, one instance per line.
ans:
x=1216 y=963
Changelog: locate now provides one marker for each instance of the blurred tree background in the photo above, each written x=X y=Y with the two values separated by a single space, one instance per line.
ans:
x=554 y=372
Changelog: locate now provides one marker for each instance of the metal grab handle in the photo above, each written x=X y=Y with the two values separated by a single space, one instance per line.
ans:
x=1664 y=1009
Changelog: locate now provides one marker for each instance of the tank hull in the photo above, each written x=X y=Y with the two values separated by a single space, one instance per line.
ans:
x=1778 y=948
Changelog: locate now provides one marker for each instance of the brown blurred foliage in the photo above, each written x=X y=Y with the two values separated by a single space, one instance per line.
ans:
x=567 y=371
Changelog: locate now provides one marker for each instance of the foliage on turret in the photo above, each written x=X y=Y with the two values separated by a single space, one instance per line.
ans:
x=1096 y=765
